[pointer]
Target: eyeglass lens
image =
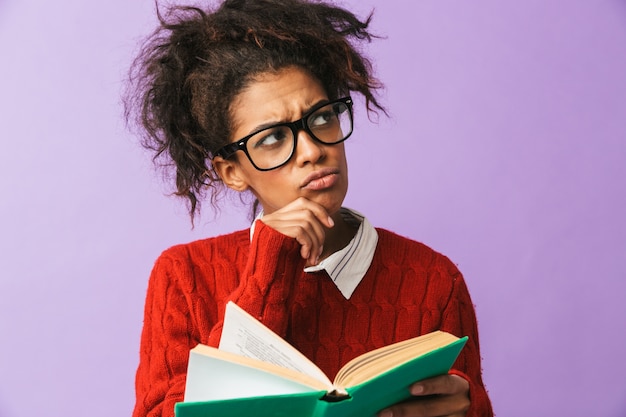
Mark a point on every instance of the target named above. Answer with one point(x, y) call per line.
point(273, 146)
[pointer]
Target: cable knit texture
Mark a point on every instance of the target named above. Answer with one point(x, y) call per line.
point(409, 290)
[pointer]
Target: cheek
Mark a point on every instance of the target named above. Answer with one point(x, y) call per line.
point(274, 186)
point(341, 157)
point(340, 150)
point(277, 179)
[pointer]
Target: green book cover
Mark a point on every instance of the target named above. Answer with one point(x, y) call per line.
point(368, 398)
point(363, 400)
point(291, 405)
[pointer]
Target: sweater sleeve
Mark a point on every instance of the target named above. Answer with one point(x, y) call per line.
point(166, 339)
point(171, 327)
point(459, 318)
point(266, 284)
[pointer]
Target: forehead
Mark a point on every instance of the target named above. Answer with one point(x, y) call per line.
point(274, 97)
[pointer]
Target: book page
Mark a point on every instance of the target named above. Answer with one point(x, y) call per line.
point(378, 361)
point(244, 335)
point(212, 377)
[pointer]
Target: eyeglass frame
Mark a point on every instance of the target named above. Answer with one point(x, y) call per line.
point(296, 127)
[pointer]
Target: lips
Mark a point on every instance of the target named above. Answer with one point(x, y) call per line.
point(321, 179)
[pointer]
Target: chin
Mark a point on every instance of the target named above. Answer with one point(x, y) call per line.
point(332, 206)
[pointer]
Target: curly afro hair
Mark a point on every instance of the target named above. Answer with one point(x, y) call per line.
point(189, 70)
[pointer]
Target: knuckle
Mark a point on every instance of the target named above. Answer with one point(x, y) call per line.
point(301, 233)
point(397, 411)
point(309, 216)
point(430, 407)
point(465, 404)
point(448, 383)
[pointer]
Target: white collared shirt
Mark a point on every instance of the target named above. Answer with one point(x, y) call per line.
point(348, 266)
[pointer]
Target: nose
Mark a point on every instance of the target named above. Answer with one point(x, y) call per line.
point(308, 150)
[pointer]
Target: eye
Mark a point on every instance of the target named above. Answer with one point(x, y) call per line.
point(323, 117)
point(270, 138)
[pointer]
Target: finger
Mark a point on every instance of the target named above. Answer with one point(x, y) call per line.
point(316, 209)
point(443, 384)
point(303, 234)
point(430, 406)
point(303, 226)
point(319, 220)
point(312, 226)
point(314, 234)
point(304, 220)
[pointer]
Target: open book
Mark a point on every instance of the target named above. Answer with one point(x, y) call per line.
point(256, 372)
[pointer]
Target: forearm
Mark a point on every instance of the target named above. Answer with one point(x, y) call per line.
point(266, 284)
point(185, 306)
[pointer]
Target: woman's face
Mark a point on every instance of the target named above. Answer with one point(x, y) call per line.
point(316, 171)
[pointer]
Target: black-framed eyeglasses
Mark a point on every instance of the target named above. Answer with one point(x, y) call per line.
point(272, 147)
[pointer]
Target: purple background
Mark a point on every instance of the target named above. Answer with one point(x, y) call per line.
point(505, 151)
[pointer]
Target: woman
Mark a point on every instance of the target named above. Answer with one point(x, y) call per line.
point(255, 96)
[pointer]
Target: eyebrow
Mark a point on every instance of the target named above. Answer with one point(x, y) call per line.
point(264, 126)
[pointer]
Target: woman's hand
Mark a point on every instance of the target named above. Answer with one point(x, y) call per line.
point(445, 395)
point(304, 221)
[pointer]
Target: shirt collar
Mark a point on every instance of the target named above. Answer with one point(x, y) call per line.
point(348, 266)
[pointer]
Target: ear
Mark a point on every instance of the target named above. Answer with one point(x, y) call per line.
point(230, 172)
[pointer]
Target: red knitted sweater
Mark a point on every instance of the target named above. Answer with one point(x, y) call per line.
point(408, 290)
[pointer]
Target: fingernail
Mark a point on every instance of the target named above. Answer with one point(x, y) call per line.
point(417, 389)
point(320, 251)
point(385, 413)
point(330, 221)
